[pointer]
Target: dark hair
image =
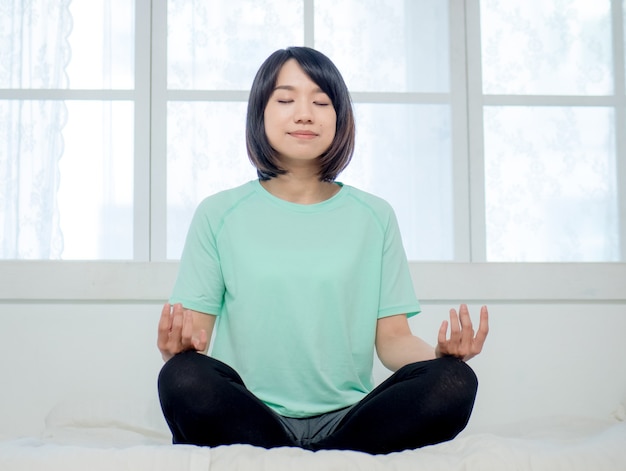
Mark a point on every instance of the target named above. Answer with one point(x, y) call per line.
point(325, 74)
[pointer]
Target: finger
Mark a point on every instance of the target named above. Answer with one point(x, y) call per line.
point(467, 330)
point(455, 328)
point(483, 329)
point(201, 342)
point(442, 348)
point(177, 324)
point(165, 320)
point(187, 329)
point(443, 333)
point(165, 323)
point(464, 317)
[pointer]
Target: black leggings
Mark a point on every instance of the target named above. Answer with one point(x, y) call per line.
point(206, 403)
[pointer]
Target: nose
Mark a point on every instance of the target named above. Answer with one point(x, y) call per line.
point(303, 112)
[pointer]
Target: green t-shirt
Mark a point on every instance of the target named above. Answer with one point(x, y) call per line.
point(297, 290)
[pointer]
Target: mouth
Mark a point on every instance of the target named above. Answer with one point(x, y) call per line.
point(303, 134)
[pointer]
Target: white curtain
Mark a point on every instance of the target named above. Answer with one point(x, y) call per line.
point(34, 52)
point(551, 192)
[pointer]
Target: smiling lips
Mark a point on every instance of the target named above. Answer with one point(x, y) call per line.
point(303, 134)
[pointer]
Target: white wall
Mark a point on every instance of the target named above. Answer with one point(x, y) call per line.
point(546, 354)
point(53, 351)
point(546, 359)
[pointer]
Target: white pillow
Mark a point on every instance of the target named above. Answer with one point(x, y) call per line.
point(137, 414)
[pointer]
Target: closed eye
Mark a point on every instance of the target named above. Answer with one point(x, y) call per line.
point(285, 101)
point(321, 103)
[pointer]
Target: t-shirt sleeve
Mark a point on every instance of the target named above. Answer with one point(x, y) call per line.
point(199, 284)
point(397, 295)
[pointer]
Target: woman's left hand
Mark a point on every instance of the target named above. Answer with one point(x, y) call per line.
point(462, 343)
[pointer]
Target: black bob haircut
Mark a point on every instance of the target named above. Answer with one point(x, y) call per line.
point(325, 74)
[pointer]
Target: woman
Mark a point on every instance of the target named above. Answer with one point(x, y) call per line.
point(305, 278)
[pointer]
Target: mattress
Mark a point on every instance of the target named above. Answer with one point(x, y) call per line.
point(113, 435)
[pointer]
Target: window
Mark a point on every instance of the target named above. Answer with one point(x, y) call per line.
point(553, 96)
point(373, 43)
point(67, 129)
point(492, 127)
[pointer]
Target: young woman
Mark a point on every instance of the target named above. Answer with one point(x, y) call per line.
point(303, 278)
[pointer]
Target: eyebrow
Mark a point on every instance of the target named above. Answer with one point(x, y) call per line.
point(291, 88)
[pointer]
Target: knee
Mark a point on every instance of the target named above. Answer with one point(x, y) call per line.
point(456, 387)
point(189, 372)
point(445, 370)
point(178, 368)
point(182, 375)
point(459, 380)
point(460, 373)
point(449, 378)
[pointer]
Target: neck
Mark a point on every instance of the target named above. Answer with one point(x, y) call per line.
point(301, 189)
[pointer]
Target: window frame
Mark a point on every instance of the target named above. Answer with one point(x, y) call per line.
point(121, 282)
point(456, 98)
point(477, 100)
point(469, 278)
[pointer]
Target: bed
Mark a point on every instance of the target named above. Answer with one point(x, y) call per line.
point(114, 434)
point(65, 403)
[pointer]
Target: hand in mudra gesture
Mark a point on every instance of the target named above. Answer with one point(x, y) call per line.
point(463, 342)
point(176, 332)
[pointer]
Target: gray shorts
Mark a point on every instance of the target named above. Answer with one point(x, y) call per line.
point(312, 429)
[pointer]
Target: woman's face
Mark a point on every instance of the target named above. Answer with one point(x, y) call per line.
point(300, 120)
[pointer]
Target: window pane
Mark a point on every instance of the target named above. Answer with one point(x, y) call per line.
point(546, 47)
point(33, 45)
point(220, 44)
point(550, 184)
point(95, 196)
point(102, 44)
point(66, 180)
point(206, 153)
point(88, 44)
point(391, 46)
point(31, 144)
point(403, 154)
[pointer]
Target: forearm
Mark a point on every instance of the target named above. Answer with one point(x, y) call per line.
point(399, 351)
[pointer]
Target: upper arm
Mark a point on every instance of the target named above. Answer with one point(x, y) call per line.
point(199, 283)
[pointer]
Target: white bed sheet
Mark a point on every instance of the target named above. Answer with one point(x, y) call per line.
point(108, 437)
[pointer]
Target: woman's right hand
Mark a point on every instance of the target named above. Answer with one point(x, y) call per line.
point(177, 333)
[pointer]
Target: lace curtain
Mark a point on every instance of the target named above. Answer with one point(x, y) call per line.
point(34, 52)
point(403, 150)
point(551, 180)
point(551, 192)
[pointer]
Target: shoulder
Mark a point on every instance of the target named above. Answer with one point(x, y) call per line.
point(222, 202)
point(376, 205)
point(213, 210)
